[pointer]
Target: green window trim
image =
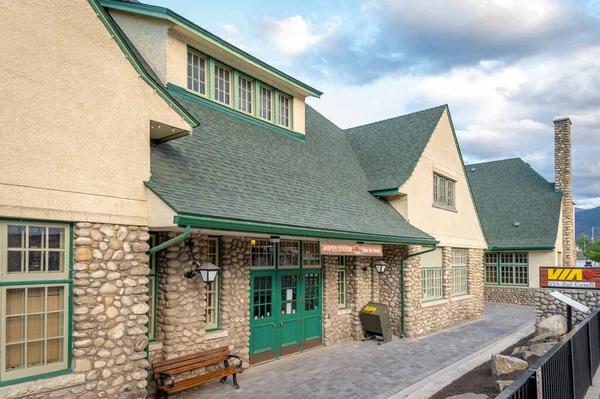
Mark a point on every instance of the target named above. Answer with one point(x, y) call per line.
point(514, 271)
point(444, 192)
point(64, 332)
point(342, 283)
point(432, 283)
point(216, 300)
point(463, 280)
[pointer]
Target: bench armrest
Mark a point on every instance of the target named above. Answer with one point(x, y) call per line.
point(160, 375)
point(239, 366)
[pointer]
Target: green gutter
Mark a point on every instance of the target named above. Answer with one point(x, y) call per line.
point(165, 13)
point(390, 191)
point(108, 23)
point(402, 283)
point(207, 222)
point(499, 249)
point(172, 241)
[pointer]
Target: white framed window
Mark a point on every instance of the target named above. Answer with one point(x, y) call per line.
point(289, 253)
point(459, 271)
point(266, 103)
point(311, 254)
point(491, 268)
point(212, 288)
point(443, 191)
point(431, 281)
point(459, 257)
point(245, 94)
point(34, 306)
point(263, 254)
point(222, 84)
point(196, 73)
point(341, 280)
point(507, 268)
point(285, 103)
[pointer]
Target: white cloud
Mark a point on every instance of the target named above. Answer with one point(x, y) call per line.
point(295, 35)
point(230, 28)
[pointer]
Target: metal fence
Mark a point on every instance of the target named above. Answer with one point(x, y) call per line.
point(565, 371)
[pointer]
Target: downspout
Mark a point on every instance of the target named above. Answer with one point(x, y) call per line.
point(172, 241)
point(402, 281)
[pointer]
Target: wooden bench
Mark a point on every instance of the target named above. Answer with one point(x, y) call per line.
point(169, 368)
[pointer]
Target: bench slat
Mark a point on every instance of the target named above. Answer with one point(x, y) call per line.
point(189, 365)
point(199, 380)
point(224, 350)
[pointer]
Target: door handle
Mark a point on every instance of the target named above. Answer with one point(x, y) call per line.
point(302, 300)
point(273, 326)
point(281, 325)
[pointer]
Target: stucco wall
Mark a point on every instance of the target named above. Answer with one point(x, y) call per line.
point(459, 229)
point(76, 118)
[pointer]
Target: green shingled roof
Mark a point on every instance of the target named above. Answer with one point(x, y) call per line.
point(389, 150)
point(236, 170)
point(508, 192)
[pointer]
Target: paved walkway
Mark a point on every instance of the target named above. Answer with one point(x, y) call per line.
point(367, 370)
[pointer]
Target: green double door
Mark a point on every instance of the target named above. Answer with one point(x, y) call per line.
point(285, 312)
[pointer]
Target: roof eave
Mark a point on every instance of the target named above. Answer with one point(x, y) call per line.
point(207, 222)
point(165, 13)
point(501, 249)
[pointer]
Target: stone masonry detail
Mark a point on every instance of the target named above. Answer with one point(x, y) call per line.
point(548, 306)
point(514, 295)
point(110, 306)
point(563, 179)
point(336, 322)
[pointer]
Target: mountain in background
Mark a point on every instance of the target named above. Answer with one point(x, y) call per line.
point(579, 209)
point(585, 219)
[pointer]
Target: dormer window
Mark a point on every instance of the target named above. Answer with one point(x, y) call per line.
point(222, 85)
point(266, 103)
point(196, 73)
point(245, 94)
point(284, 110)
point(443, 192)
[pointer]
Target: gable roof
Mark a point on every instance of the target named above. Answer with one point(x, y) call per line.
point(389, 150)
point(235, 170)
point(169, 15)
point(138, 62)
point(510, 191)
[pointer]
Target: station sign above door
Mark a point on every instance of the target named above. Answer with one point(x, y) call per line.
point(331, 248)
point(570, 277)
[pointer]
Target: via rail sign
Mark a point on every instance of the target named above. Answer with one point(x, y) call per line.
point(570, 277)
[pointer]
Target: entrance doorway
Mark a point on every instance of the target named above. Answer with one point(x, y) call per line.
point(285, 311)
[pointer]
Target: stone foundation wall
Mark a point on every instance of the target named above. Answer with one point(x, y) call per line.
point(110, 306)
point(359, 290)
point(390, 284)
point(548, 306)
point(514, 295)
point(336, 322)
point(423, 318)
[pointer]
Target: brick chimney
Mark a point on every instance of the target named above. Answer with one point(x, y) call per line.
point(563, 181)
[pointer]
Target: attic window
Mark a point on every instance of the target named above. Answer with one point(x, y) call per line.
point(443, 192)
point(196, 73)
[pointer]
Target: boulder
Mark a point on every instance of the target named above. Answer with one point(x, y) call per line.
point(501, 385)
point(519, 349)
point(507, 364)
point(540, 339)
point(541, 349)
point(468, 396)
point(556, 325)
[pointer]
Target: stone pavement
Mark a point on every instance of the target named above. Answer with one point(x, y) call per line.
point(367, 370)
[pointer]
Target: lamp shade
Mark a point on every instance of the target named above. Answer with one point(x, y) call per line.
point(208, 272)
point(380, 266)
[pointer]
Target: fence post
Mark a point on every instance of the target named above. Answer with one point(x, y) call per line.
point(590, 355)
point(572, 366)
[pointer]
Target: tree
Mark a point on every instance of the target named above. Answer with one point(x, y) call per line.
point(589, 247)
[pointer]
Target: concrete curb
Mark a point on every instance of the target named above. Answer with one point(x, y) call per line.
point(427, 387)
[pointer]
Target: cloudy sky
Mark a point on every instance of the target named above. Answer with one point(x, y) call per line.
point(506, 68)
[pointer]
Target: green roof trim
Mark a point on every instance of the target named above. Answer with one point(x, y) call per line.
point(138, 64)
point(183, 93)
point(510, 191)
point(268, 228)
point(496, 249)
point(401, 139)
point(165, 13)
point(379, 193)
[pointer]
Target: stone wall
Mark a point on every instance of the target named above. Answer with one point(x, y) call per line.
point(423, 318)
point(548, 306)
point(563, 179)
point(336, 322)
point(110, 309)
point(513, 295)
point(359, 290)
point(390, 284)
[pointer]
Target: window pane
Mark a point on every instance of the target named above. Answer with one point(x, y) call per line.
point(311, 254)
point(55, 261)
point(222, 85)
point(15, 329)
point(196, 71)
point(55, 298)
point(14, 356)
point(263, 253)
point(36, 261)
point(16, 236)
point(289, 253)
point(54, 324)
point(54, 350)
point(34, 353)
point(37, 237)
point(16, 261)
point(15, 301)
point(56, 237)
point(35, 300)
